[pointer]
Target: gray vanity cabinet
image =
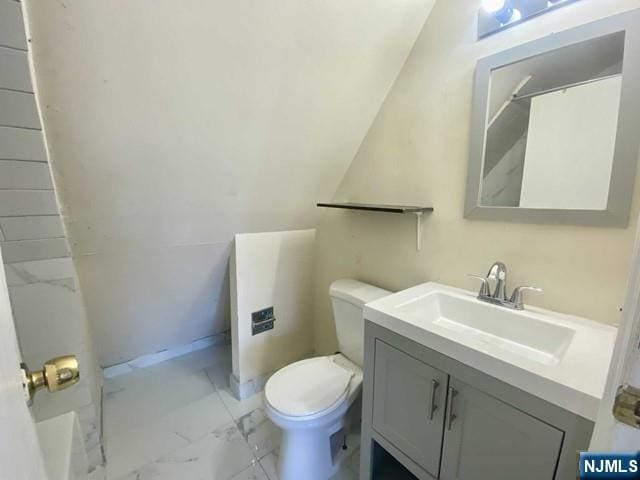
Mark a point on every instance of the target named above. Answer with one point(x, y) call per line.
point(491, 439)
point(435, 418)
point(408, 406)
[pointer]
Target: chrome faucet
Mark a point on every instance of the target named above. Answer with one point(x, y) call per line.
point(498, 274)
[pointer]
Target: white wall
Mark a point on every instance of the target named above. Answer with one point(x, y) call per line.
point(174, 125)
point(570, 147)
point(416, 153)
point(275, 269)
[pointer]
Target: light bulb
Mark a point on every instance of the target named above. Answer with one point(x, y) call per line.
point(493, 6)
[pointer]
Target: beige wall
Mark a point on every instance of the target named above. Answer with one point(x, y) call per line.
point(272, 269)
point(416, 152)
point(174, 125)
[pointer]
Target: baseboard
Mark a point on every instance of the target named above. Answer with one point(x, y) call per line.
point(255, 385)
point(249, 388)
point(223, 338)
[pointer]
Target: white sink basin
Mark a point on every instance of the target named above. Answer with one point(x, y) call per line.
point(560, 358)
point(518, 332)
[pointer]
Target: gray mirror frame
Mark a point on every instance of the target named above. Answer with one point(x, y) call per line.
point(627, 145)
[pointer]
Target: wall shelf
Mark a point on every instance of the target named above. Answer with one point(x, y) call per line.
point(401, 209)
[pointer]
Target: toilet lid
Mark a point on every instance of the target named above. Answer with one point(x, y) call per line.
point(307, 387)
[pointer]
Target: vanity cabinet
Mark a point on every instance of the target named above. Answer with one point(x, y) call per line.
point(489, 436)
point(441, 419)
point(408, 405)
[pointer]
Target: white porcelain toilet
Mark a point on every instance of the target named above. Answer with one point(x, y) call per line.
point(309, 399)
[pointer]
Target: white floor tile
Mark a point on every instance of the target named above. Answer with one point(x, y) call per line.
point(218, 456)
point(345, 474)
point(141, 397)
point(136, 447)
point(269, 463)
point(219, 375)
point(254, 472)
point(239, 408)
point(98, 474)
point(353, 462)
point(262, 436)
point(197, 419)
point(178, 420)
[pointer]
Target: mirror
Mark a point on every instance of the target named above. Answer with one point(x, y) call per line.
point(550, 123)
point(551, 129)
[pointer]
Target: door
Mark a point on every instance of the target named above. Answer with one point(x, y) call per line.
point(20, 455)
point(486, 439)
point(408, 405)
point(611, 435)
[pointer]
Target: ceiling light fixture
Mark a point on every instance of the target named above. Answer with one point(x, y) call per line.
point(493, 6)
point(502, 10)
point(497, 15)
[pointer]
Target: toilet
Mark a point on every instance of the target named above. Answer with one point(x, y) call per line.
point(310, 400)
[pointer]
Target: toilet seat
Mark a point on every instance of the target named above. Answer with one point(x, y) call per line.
point(308, 387)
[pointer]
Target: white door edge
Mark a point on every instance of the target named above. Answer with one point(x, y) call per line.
point(610, 435)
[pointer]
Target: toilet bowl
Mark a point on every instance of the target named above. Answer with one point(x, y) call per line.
point(310, 400)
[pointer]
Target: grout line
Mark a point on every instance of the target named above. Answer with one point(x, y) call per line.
point(21, 128)
point(34, 239)
point(30, 239)
point(104, 457)
point(27, 189)
point(17, 49)
point(16, 90)
point(264, 470)
point(36, 260)
point(13, 189)
point(29, 216)
point(22, 160)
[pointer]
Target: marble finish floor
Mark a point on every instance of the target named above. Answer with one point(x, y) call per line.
point(179, 420)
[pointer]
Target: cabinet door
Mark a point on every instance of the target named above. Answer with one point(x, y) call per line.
point(487, 439)
point(409, 405)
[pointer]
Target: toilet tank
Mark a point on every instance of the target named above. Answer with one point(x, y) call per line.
point(348, 298)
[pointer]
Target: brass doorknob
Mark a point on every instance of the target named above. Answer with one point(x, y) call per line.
point(56, 374)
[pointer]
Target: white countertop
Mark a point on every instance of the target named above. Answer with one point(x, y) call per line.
point(576, 382)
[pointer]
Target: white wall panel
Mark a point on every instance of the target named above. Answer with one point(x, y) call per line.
point(11, 25)
point(14, 70)
point(18, 109)
point(26, 250)
point(25, 175)
point(27, 202)
point(22, 144)
point(31, 228)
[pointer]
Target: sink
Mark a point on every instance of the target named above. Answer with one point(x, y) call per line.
point(560, 358)
point(516, 331)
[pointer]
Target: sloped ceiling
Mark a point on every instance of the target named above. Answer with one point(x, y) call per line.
point(173, 125)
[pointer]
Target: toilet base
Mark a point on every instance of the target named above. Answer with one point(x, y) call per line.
point(307, 453)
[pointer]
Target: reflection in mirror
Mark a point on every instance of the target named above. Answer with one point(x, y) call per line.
point(551, 128)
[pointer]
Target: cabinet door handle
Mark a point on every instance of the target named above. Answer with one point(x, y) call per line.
point(451, 417)
point(433, 407)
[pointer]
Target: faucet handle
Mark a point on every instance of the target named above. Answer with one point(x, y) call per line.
point(485, 289)
point(517, 295)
